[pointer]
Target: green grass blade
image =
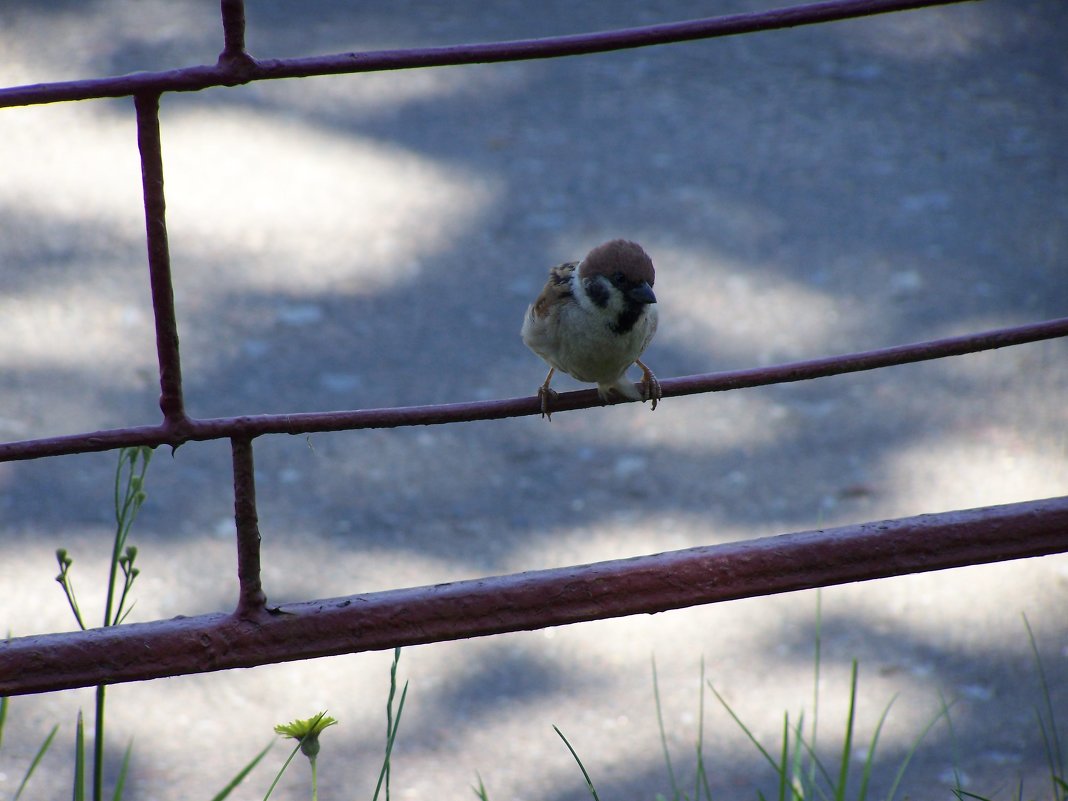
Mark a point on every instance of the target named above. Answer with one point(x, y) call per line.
point(1050, 738)
point(743, 727)
point(943, 713)
point(798, 774)
point(241, 774)
point(282, 770)
point(663, 735)
point(816, 672)
point(869, 760)
point(585, 775)
point(701, 778)
point(847, 746)
point(953, 744)
point(36, 760)
point(3, 703)
point(809, 786)
point(79, 759)
point(815, 764)
point(480, 791)
point(785, 758)
point(120, 783)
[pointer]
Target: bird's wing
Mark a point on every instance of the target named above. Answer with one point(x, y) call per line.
point(556, 289)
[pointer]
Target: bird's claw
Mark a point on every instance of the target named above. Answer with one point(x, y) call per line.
point(545, 395)
point(650, 386)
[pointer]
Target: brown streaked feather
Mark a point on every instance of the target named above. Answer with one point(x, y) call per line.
point(556, 288)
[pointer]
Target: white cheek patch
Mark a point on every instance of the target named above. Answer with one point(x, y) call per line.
point(614, 300)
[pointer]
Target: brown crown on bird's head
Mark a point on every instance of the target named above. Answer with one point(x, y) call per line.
point(619, 256)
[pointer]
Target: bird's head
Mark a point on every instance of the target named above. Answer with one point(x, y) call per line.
point(618, 273)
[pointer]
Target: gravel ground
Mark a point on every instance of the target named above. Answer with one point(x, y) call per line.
point(373, 240)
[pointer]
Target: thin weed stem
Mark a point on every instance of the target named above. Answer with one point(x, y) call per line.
point(1051, 740)
point(663, 733)
point(585, 774)
point(392, 724)
point(701, 778)
point(282, 770)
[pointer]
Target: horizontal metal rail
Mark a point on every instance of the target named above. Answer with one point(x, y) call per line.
point(176, 431)
point(526, 601)
point(236, 67)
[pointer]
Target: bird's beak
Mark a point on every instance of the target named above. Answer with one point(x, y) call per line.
point(643, 293)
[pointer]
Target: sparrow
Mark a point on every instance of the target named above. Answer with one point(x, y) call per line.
point(593, 320)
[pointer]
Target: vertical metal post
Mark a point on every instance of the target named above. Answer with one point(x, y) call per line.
point(171, 402)
point(233, 19)
point(251, 598)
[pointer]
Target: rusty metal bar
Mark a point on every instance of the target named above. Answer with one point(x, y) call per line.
point(159, 263)
point(251, 599)
point(232, 70)
point(534, 600)
point(233, 20)
point(310, 422)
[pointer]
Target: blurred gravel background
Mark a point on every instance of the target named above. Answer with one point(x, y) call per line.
point(366, 241)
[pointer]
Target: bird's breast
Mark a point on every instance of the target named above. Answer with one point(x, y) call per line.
point(590, 349)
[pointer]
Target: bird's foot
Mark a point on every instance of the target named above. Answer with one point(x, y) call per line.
point(650, 387)
point(546, 395)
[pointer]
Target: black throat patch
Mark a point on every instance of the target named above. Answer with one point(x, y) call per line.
point(627, 318)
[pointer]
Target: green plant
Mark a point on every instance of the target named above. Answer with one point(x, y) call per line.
point(392, 724)
point(480, 791)
point(129, 496)
point(306, 733)
point(701, 784)
point(798, 768)
point(801, 772)
point(1047, 726)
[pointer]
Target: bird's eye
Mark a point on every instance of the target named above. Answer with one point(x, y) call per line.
point(617, 277)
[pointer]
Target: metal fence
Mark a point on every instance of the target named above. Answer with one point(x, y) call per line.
point(257, 634)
